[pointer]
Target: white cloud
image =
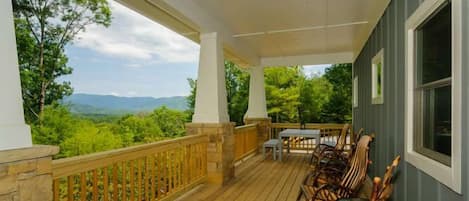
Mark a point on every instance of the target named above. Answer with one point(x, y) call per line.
point(114, 93)
point(135, 37)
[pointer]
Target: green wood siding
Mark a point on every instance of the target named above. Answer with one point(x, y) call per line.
point(387, 120)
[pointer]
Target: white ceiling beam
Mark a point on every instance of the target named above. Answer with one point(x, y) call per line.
point(310, 59)
point(310, 28)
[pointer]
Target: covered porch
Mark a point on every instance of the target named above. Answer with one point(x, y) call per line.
point(255, 35)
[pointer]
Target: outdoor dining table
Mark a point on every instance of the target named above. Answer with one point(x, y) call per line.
point(305, 133)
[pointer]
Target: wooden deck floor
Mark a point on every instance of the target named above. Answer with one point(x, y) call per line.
point(259, 180)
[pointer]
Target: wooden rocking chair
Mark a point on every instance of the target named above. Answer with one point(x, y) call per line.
point(323, 185)
point(323, 149)
point(382, 188)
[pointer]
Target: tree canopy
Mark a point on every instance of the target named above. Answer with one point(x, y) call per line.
point(43, 29)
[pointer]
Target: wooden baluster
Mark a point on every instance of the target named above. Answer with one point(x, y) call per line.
point(132, 180)
point(139, 180)
point(159, 175)
point(153, 183)
point(146, 177)
point(56, 189)
point(171, 171)
point(115, 189)
point(106, 184)
point(83, 186)
point(70, 187)
point(95, 185)
point(124, 181)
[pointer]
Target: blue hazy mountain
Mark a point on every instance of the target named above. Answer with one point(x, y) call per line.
point(109, 104)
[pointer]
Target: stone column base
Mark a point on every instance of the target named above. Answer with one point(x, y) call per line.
point(26, 173)
point(220, 149)
point(263, 130)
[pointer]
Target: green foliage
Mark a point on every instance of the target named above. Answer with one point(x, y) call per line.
point(315, 92)
point(43, 29)
point(339, 108)
point(283, 92)
point(90, 138)
point(78, 135)
point(237, 89)
point(171, 122)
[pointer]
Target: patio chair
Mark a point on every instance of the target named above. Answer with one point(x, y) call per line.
point(322, 185)
point(327, 149)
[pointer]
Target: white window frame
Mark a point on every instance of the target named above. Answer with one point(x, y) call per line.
point(355, 92)
point(375, 97)
point(449, 176)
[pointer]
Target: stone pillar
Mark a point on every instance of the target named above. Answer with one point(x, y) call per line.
point(14, 133)
point(257, 107)
point(26, 173)
point(210, 99)
point(220, 149)
point(264, 126)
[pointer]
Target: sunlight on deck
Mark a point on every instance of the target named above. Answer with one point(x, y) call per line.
point(258, 179)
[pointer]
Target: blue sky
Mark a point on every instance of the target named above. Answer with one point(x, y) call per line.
point(135, 57)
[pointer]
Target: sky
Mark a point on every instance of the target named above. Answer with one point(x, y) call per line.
point(135, 57)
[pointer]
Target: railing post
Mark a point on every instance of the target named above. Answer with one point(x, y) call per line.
point(26, 173)
point(220, 149)
point(264, 126)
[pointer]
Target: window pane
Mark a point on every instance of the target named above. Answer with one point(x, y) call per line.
point(437, 119)
point(434, 47)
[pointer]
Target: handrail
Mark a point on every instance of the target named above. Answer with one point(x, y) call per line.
point(245, 140)
point(151, 171)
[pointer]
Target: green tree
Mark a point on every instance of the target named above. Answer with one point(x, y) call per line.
point(171, 122)
point(58, 125)
point(43, 29)
point(137, 129)
point(282, 93)
point(89, 138)
point(339, 107)
point(237, 92)
point(315, 92)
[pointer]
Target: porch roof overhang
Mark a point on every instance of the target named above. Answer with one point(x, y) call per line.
point(272, 32)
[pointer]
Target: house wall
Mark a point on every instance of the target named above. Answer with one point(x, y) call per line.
point(387, 120)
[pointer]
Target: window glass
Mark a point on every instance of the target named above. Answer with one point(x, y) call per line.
point(437, 120)
point(433, 87)
point(434, 38)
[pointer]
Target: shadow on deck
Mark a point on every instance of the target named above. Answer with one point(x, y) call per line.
point(259, 180)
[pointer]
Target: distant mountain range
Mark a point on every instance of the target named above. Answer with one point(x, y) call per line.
point(108, 104)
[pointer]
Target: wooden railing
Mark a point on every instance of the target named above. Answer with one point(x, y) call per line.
point(329, 133)
point(155, 171)
point(245, 140)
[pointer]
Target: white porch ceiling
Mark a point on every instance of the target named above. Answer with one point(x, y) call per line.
point(273, 32)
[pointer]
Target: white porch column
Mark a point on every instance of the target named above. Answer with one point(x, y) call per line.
point(210, 100)
point(257, 107)
point(14, 133)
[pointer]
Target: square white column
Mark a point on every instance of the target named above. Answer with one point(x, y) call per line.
point(210, 100)
point(257, 107)
point(14, 133)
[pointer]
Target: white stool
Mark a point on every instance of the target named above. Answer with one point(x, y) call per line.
point(275, 144)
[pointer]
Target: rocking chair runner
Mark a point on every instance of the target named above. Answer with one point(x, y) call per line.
point(320, 186)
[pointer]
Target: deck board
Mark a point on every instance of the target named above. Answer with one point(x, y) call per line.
point(258, 180)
